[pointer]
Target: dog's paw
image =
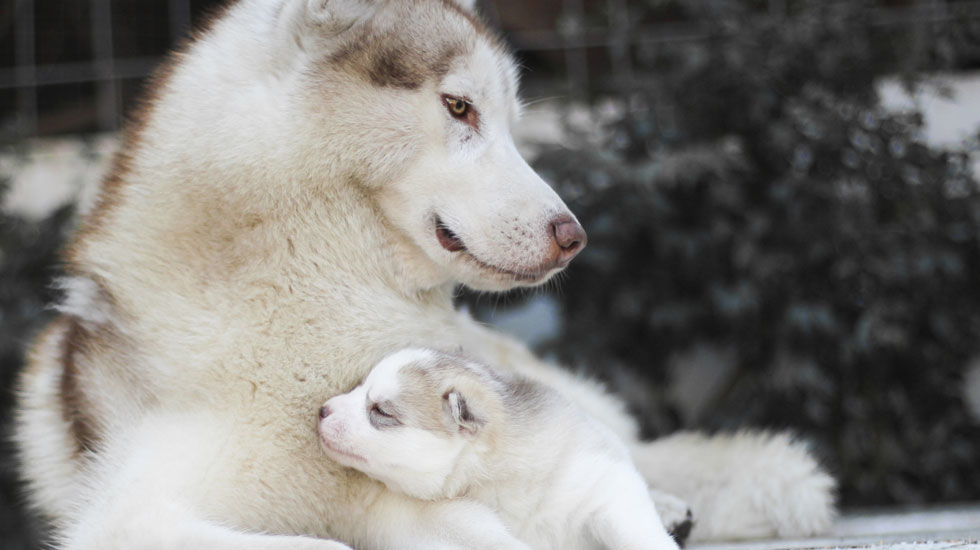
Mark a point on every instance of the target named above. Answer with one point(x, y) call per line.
point(675, 514)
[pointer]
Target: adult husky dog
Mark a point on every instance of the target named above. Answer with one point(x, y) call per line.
point(297, 199)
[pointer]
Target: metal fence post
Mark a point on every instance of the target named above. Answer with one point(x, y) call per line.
point(108, 106)
point(26, 119)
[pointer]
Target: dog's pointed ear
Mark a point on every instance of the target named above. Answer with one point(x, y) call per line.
point(466, 5)
point(303, 23)
point(460, 414)
point(338, 15)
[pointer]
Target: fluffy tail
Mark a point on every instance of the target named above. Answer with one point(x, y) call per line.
point(744, 485)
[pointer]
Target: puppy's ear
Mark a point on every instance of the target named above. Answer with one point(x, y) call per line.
point(459, 412)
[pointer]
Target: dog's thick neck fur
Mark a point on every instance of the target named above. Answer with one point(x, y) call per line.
point(249, 218)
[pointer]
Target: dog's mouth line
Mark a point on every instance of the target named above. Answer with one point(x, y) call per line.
point(447, 239)
point(331, 447)
point(451, 242)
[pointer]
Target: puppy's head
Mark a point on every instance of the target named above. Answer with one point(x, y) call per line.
point(417, 423)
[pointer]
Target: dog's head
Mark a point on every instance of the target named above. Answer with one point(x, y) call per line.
point(420, 423)
point(415, 100)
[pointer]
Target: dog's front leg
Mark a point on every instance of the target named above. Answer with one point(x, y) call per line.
point(148, 489)
point(403, 523)
point(163, 524)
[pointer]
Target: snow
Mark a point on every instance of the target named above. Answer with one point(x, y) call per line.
point(46, 174)
point(950, 105)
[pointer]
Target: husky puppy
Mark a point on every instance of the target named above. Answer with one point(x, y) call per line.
point(305, 185)
point(437, 426)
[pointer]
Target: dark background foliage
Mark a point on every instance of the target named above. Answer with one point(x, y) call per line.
point(755, 196)
point(28, 253)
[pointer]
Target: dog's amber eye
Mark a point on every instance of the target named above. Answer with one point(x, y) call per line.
point(457, 107)
point(462, 110)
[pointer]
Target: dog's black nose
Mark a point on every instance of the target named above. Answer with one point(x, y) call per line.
point(324, 412)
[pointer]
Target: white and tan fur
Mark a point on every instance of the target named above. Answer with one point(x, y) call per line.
point(439, 426)
point(291, 205)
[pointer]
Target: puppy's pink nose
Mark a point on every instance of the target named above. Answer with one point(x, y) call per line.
point(324, 412)
point(570, 238)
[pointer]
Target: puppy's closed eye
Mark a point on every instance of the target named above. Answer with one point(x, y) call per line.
point(382, 416)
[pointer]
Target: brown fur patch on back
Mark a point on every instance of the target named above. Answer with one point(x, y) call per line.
point(73, 400)
point(524, 397)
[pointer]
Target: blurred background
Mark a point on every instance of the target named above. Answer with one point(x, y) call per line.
point(781, 197)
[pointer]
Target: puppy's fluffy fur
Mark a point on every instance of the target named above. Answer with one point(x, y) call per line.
point(438, 426)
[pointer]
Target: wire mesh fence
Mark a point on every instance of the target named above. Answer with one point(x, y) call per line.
point(85, 84)
point(74, 67)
